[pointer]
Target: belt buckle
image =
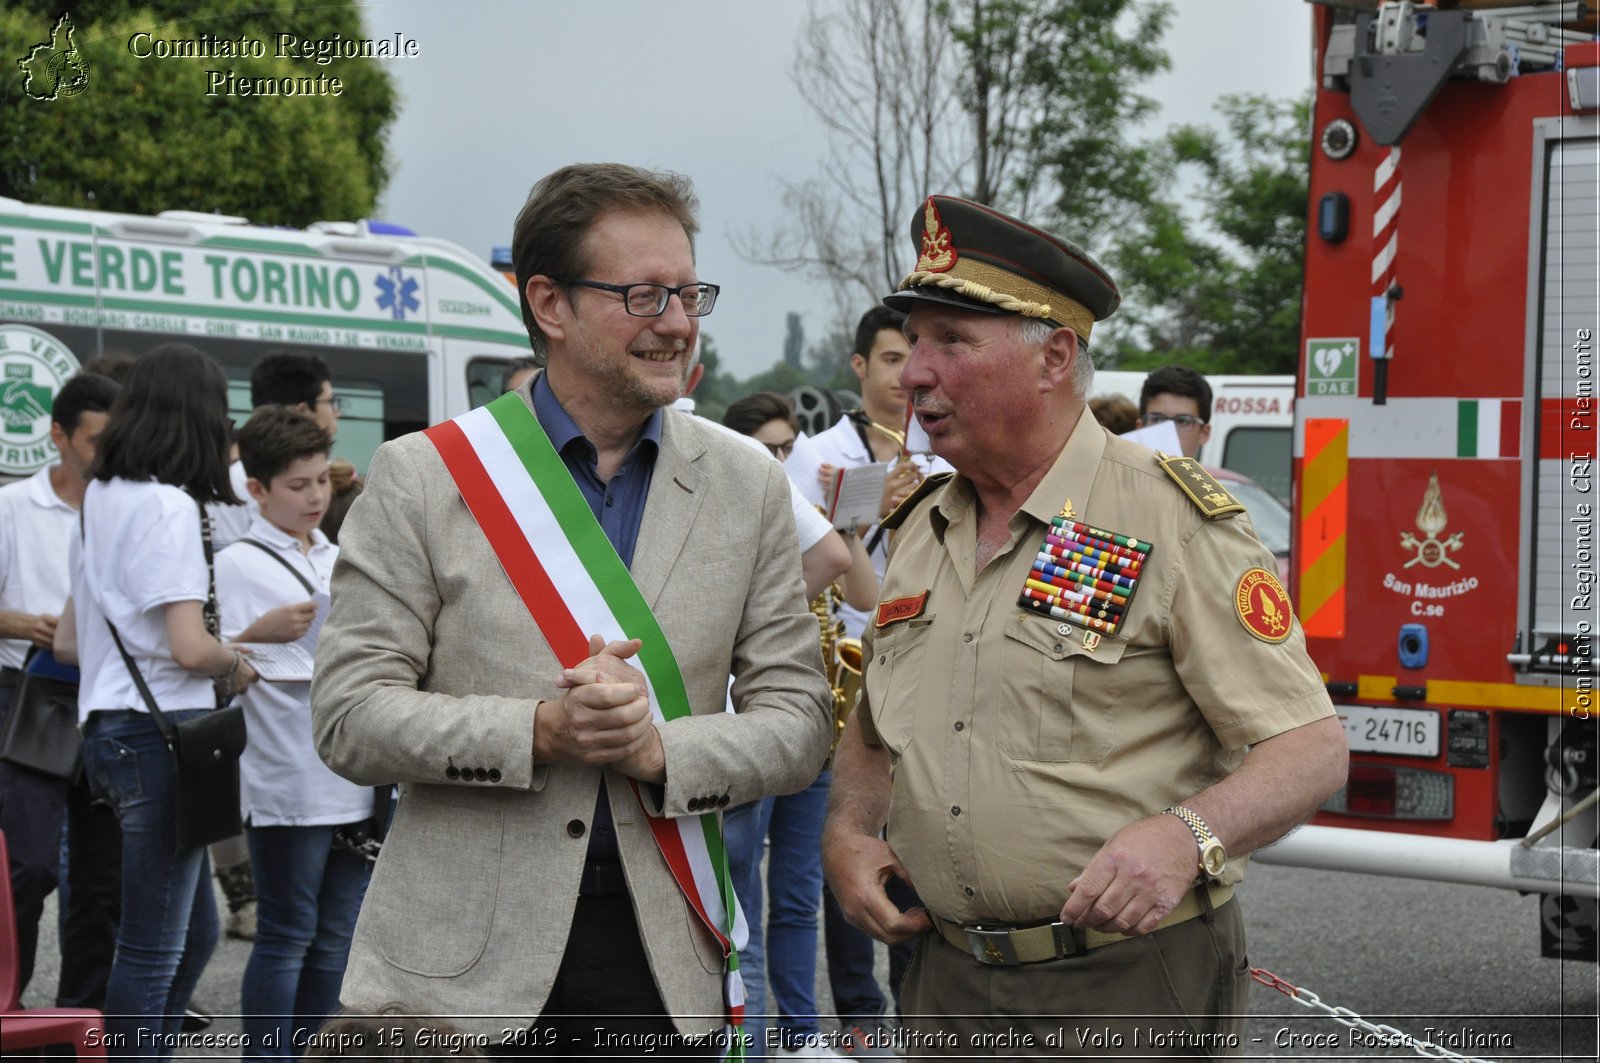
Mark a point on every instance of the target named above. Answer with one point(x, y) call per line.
point(992, 947)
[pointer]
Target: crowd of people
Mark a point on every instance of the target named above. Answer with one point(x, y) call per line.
point(576, 631)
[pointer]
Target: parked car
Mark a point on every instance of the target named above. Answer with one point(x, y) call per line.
point(1269, 515)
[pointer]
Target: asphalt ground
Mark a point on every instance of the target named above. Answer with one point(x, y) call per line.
point(1413, 955)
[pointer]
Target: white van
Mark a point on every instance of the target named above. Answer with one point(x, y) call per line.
point(415, 329)
point(1252, 423)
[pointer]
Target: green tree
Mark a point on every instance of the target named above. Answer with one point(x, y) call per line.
point(1021, 104)
point(145, 136)
point(1222, 296)
point(717, 387)
point(828, 361)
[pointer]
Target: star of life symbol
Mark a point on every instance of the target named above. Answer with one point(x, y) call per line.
point(1431, 520)
point(397, 293)
point(55, 68)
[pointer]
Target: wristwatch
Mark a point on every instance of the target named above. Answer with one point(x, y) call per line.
point(1213, 857)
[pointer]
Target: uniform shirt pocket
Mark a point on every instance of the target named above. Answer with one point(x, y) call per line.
point(896, 650)
point(1058, 696)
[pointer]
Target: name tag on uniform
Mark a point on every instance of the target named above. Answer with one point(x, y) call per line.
point(1085, 575)
point(895, 610)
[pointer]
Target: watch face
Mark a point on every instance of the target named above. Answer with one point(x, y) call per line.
point(1213, 858)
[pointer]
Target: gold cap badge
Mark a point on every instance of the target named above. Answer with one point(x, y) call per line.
point(937, 254)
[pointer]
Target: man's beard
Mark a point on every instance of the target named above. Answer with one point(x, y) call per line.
point(620, 383)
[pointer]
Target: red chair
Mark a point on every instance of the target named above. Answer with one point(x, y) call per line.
point(36, 1027)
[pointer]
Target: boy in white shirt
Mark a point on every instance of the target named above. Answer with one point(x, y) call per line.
point(272, 586)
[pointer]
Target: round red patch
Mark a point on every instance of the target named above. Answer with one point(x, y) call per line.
point(1263, 606)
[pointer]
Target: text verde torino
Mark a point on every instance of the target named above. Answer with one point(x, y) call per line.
point(321, 51)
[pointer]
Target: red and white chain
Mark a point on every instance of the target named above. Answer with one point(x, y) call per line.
point(1381, 1033)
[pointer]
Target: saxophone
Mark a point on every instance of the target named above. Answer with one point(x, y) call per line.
point(841, 659)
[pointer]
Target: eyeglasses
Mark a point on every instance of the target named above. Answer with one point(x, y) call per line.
point(1184, 422)
point(335, 401)
point(649, 300)
point(780, 450)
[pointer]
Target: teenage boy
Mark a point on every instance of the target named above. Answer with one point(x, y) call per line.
point(37, 517)
point(1178, 394)
point(294, 379)
point(308, 888)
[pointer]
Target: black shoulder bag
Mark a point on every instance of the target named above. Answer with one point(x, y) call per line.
point(205, 749)
point(365, 839)
point(42, 733)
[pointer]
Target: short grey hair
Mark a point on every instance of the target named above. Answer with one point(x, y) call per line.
point(1036, 332)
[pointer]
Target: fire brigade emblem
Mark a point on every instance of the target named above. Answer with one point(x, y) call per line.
point(937, 254)
point(1263, 606)
point(1431, 520)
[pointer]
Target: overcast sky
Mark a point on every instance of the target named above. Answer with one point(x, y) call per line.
point(501, 94)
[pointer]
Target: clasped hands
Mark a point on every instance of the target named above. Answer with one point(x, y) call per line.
point(602, 717)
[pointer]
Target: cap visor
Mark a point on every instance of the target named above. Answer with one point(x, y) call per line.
point(907, 300)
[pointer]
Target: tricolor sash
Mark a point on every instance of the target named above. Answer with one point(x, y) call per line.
point(569, 576)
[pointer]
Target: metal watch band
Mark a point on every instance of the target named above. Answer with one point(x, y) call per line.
point(1192, 820)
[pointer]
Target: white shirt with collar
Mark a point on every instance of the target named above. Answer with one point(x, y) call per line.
point(231, 523)
point(282, 781)
point(140, 552)
point(35, 527)
point(842, 446)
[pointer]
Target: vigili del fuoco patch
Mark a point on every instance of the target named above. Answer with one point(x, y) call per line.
point(1263, 606)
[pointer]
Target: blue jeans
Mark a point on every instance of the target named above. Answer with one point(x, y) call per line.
point(794, 893)
point(743, 830)
point(169, 918)
point(307, 898)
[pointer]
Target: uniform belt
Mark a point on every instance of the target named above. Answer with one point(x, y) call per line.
point(1009, 946)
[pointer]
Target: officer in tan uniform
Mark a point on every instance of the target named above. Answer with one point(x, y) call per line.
point(1085, 696)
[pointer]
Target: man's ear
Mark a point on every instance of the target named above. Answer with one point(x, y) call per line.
point(257, 489)
point(549, 305)
point(1061, 352)
point(695, 376)
point(859, 364)
point(59, 436)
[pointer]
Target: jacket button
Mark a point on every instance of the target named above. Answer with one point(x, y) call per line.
point(481, 774)
point(575, 829)
point(494, 774)
point(452, 772)
point(694, 804)
point(722, 802)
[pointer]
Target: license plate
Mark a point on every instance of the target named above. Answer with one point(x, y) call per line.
point(1408, 732)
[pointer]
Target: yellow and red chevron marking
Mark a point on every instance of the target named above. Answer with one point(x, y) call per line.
point(1324, 522)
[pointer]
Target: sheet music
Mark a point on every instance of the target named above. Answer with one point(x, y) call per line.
point(280, 662)
point(855, 495)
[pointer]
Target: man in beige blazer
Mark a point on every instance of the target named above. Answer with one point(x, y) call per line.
point(520, 881)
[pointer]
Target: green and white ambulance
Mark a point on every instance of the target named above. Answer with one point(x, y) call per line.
point(415, 329)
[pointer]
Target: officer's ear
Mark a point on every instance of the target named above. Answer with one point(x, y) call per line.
point(1060, 352)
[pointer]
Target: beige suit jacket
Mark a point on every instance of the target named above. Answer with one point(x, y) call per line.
point(428, 671)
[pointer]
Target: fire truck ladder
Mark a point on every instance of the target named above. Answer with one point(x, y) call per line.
point(1395, 59)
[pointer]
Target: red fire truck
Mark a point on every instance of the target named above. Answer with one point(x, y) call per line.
point(1445, 433)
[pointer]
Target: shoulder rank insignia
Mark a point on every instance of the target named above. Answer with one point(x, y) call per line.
point(898, 515)
point(1084, 575)
point(1201, 487)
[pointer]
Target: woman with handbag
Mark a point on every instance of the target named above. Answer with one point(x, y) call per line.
point(142, 622)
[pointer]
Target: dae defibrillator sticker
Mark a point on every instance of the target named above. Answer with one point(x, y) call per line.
point(1263, 605)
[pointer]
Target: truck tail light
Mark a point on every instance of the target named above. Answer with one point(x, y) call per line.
point(1394, 793)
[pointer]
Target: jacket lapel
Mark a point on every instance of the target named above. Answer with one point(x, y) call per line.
point(676, 492)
